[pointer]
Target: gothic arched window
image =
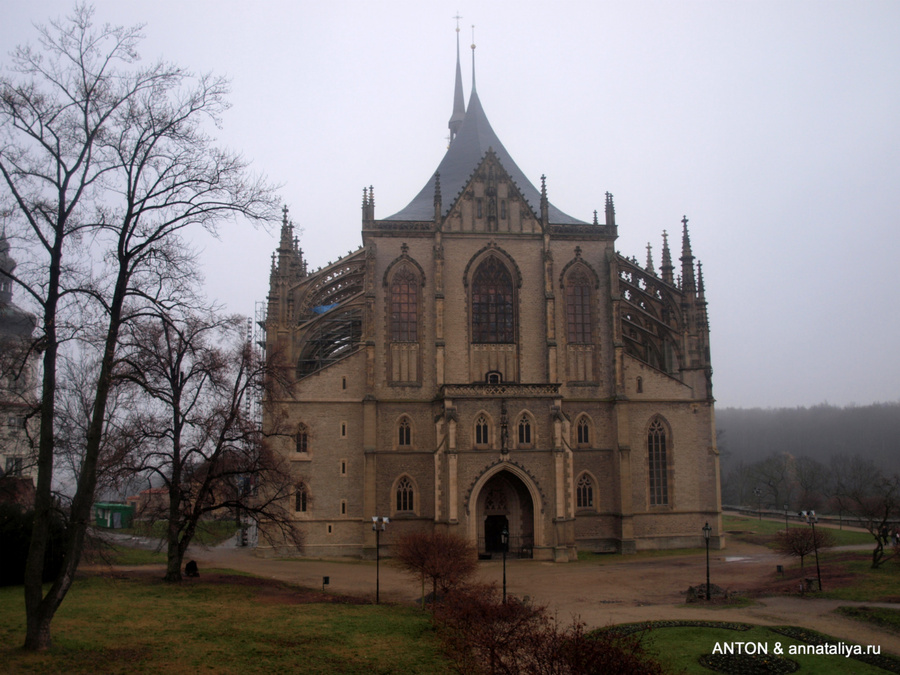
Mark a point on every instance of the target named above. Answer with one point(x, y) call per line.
point(578, 308)
point(404, 306)
point(302, 438)
point(493, 304)
point(404, 433)
point(584, 492)
point(405, 495)
point(302, 498)
point(524, 431)
point(482, 431)
point(659, 480)
point(584, 431)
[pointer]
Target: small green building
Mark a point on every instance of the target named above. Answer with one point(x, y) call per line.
point(112, 515)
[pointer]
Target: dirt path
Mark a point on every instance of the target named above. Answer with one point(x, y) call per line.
point(611, 591)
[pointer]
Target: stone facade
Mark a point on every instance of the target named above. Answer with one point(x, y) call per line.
point(493, 365)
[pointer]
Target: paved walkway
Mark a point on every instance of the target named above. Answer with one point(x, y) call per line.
point(613, 590)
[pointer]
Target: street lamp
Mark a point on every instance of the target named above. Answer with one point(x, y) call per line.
point(706, 530)
point(785, 518)
point(812, 519)
point(758, 494)
point(504, 541)
point(378, 523)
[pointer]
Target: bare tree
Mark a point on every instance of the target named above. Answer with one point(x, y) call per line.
point(446, 559)
point(775, 476)
point(861, 490)
point(200, 381)
point(103, 163)
point(812, 479)
point(799, 542)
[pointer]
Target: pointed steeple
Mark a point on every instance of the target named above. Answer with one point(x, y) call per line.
point(437, 197)
point(287, 232)
point(667, 268)
point(290, 255)
point(473, 60)
point(610, 211)
point(468, 149)
point(687, 260)
point(701, 289)
point(649, 266)
point(459, 103)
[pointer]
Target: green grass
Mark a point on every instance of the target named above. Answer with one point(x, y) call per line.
point(680, 648)
point(768, 528)
point(867, 585)
point(128, 625)
point(209, 532)
point(123, 555)
point(882, 617)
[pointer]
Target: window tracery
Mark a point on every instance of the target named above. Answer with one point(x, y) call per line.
point(404, 306)
point(482, 431)
point(493, 303)
point(584, 492)
point(404, 433)
point(658, 464)
point(405, 495)
point(578, 308)
point(301, 498)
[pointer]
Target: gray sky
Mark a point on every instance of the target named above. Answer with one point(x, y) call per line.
point(774, 126)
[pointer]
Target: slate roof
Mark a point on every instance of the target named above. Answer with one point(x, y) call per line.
point(475, 138)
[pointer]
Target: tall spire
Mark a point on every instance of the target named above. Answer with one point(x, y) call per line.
point(473, 59)
point(667, 268)
point(687, 260)
point(459, 103)
point(649, 266)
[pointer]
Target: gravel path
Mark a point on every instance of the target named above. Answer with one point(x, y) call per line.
point(614, 590)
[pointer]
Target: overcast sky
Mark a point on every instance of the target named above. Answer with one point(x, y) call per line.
point(774, 126)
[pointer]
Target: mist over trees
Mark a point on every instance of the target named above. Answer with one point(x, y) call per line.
point(837, 461)
point(820, 432)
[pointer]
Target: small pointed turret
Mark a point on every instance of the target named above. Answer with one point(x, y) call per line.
point(667, 269)
point(649, 266)
point(437, 197)
point(545, 205)
point(610, 211)
point(687, 260)
point(459, 103)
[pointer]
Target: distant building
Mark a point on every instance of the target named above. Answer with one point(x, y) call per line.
point(18, 386)
point(486, 363)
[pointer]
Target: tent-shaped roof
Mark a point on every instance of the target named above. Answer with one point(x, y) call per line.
point(466, 151)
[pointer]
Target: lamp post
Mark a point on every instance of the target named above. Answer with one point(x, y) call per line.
point(758, 494)
point(504, 541)
point(706, 530)
point(378, 524)
point(812, 519)
point(785, 518)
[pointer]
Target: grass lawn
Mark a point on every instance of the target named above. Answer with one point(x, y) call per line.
point(209, 532)
point(773, 527)
point(114, 625)
point(682, 647)
point(883, 617)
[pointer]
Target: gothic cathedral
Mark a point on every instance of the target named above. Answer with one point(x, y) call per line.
point(488, 365)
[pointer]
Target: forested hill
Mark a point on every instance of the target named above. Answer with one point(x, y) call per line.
point(822, 431)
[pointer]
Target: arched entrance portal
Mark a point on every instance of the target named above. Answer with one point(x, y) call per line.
point(505, 502)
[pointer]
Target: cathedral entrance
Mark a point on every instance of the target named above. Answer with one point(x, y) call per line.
point(505, 503)
point(493, 533)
